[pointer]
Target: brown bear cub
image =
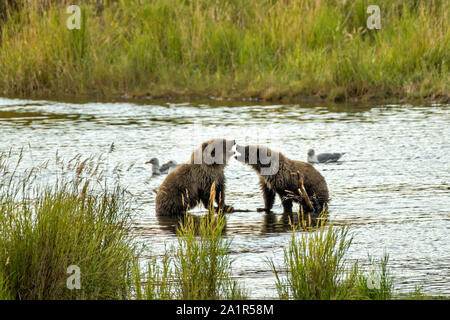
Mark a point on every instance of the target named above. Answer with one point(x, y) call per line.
point(190, 184)
point(291, 180)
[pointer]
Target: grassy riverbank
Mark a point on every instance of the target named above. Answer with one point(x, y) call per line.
point(272, 50)
point(63, 240)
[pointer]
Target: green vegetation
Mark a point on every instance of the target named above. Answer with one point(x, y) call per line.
point(44, 230)
point(47, 227)
point(203, 266)
point(198, 268)
point(265, 49)
point(316, 267)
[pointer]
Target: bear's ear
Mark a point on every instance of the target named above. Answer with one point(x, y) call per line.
point(209, 144)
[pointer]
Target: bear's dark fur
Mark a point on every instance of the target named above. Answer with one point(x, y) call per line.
point(281, 175)
point(190, 184)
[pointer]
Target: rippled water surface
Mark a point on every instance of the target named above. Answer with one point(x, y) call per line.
point(392, 188)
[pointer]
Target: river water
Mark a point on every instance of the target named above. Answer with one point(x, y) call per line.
point(392, 188)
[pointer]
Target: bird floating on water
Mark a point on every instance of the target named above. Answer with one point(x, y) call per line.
point(169, 166)
point(323, 157)
point(156, 169)
point(165, 168)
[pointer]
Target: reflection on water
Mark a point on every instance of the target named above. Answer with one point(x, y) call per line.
point(391, 188)
point(271, 223)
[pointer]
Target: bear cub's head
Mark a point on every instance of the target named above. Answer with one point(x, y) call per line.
point(214, 152)
point(261, 158)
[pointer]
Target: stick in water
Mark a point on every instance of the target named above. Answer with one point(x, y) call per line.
point(304, 194)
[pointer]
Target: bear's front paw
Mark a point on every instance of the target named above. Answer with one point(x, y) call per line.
point(224, 209)
point(228, 209)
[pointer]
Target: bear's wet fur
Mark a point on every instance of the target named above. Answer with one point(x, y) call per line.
point(282, 176)
point(190, 184)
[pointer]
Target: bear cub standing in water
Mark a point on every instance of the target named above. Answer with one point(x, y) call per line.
point(190, 184)
point(291, 180)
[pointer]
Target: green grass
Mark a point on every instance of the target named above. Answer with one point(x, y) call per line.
point(46, 229)
point(156, 281)
point(203, 265)
point(197, 268)
point(316, 267)
point(377, 283)
point(266, 49)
